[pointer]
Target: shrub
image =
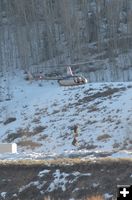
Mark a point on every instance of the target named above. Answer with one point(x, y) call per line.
point(103, 137)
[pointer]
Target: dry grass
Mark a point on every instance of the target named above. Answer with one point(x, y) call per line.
point(9, 120)
point(96, 197)
point(64, 109)
point(36, 120)
point(88, 146)
point(109, 119)
point(29, 144)
point(20, 133)
point(103, 137)
point(24, 132)
point(38, 129)
point(63, 162)
point(47, 198)
point(93, 108)
point(116, 145)
point(108, 92)
point(11, 137)
point(55, 112)
point(42, 137)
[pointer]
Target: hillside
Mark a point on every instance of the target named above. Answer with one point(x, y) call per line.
point(45, 114)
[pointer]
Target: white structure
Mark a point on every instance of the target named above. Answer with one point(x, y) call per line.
point(69, 71)
point(72, 80)
point(8, 148)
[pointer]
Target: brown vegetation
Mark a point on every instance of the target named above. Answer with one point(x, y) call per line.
point(103, 137)
point(24, 132)
point(28, 144)
point(96, 197)
point(9, 120)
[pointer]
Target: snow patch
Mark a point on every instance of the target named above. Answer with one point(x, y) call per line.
point(59, 181)
point(42, 173)
point(108, 196)
point(3, 195)
point(35, 183)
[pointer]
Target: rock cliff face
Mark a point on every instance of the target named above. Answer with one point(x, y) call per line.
point(40, 34)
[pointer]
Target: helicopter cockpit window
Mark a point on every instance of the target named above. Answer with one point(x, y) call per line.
point(75, 79)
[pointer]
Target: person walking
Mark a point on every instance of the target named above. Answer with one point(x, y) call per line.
point(75, 135)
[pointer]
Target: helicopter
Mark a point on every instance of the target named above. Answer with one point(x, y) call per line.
point(72, 80)
point(67, 80)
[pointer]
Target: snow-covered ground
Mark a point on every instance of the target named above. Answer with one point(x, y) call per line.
point(45, 114)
